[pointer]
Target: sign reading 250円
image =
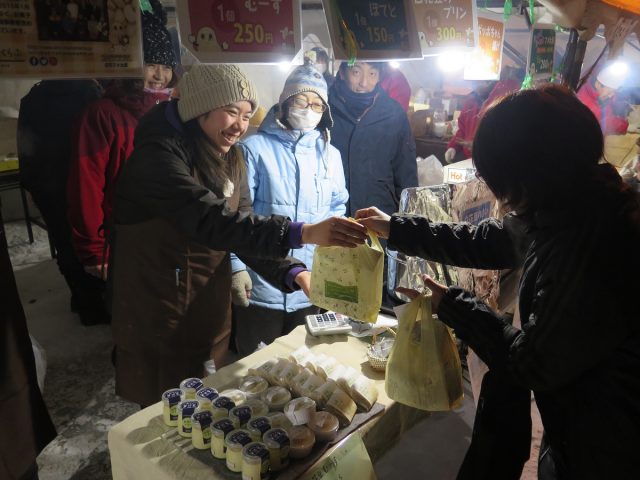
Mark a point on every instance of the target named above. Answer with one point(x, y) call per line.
point(247, 31)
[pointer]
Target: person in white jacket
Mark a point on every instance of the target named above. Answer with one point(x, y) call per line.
point(292, 170)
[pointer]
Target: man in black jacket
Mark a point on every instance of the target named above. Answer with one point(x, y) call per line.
point(45, 122)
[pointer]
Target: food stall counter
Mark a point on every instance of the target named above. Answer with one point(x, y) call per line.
point(142, 447)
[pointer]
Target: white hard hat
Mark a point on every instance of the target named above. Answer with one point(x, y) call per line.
point(613, 75)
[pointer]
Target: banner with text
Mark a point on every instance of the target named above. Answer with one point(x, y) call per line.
point(70, 39)
point(486, 61)
point(446, 25)
point(372, 30)
point(541, 52)
point(251, 31)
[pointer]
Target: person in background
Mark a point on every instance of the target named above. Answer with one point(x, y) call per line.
point(26, 425)
point(468, 121)
point(579, 346)
point(321, 62)
point(104, 141)
point(373, 135)
point(292, 170)
point(396, 85)
point(182, 204)
point(47, 114)
point(599, 94)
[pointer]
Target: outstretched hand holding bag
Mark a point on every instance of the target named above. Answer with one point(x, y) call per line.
point(349, 280)
point(424, 369)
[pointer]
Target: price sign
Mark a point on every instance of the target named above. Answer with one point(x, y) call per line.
point(372, 30)
point(486, 61)
point(446, 24)
point(70, 40)
point(349, 459)
point(541, 51)
point(247, 31)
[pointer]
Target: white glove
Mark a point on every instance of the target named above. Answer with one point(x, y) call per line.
point(241, 288)
point(449, 155)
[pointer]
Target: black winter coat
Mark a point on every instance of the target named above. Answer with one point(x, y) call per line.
point(579, 347)
point(47, 115)
point(378, 152)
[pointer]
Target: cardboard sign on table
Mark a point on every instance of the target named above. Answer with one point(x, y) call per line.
point(251, 31)
point(38, 40)
point(446, 25)
point(380, 30)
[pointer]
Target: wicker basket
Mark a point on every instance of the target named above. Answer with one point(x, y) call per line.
point(377, 363)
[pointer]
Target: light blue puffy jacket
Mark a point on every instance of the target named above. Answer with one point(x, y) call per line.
point(296, 174)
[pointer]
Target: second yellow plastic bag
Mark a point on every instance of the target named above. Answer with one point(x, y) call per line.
point(424, 369)
point(349, 280)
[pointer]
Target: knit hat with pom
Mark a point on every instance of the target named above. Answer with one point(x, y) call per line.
point(208, 87)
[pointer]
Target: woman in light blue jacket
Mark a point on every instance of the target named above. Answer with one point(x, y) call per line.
point(292, 170)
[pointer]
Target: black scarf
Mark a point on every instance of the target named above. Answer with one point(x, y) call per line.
point(356, 103)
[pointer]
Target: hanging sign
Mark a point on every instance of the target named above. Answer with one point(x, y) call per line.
point(541, 51)
point(248, 31)
point(71, 39)
point(446, 25)
point(372, 30)
point(485, 62)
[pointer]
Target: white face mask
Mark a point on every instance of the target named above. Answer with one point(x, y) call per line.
point(303, 119)
point(321, 67)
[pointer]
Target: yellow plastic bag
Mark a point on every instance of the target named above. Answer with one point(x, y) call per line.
point(349, 280)
point(424, 369)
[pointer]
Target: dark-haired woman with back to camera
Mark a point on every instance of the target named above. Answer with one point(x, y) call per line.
point(573, 225)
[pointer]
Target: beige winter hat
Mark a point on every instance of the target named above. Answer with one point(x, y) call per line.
point(207, 87)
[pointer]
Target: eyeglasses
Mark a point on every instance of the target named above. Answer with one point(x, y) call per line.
point(299, 102)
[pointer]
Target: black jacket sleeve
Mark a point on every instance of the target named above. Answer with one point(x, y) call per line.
point(157, 182)
point(574, 318)
point(491, 245)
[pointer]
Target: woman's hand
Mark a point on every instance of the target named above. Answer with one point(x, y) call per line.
point(374, 219)
point(303, 279)
point(334, 232)
point(437, 292)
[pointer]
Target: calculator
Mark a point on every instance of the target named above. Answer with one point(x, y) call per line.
point(328, 323)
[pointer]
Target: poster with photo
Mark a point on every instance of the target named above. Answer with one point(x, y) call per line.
point(70, 38)
point(250, 31)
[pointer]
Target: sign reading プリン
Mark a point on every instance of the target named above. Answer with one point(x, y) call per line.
point(229, 31)
point(446, 24)
point(372, 30)
point(70, 38)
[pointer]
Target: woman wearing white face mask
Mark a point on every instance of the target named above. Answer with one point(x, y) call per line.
point(292, 170)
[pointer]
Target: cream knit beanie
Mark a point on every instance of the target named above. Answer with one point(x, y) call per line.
point(207, 87)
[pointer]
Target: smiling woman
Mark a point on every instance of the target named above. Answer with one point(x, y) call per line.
point(182, 204)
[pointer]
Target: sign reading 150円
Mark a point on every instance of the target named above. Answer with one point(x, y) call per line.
point(372, 30)
point(446, 24)
point(248, 31)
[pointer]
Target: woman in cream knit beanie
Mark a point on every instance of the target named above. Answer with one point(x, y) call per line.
point(208, 87)
point(182, 203)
